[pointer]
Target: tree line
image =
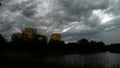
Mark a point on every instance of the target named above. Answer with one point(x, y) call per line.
point(40, 42)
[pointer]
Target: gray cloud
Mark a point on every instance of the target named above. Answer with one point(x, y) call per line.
point(74, 19)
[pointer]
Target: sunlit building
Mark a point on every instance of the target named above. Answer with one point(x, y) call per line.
point(29, 32)
point(55, 36)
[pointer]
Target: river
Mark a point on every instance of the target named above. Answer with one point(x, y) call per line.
point(96, 60)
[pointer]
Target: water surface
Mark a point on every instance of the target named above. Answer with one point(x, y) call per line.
point(96, 60)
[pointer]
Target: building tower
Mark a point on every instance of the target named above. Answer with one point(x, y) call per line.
point(29, 32)
point(55, 36)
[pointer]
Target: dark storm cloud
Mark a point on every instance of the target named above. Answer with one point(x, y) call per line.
point(77, 6)
point(74, 19)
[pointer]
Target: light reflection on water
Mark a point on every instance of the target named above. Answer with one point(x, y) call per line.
point(101, 60)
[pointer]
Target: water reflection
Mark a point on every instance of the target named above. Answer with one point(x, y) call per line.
point(97, 60)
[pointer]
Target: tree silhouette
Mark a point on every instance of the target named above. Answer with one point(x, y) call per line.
point(56, 44)
point(2, 42)
point(23, 42)
point(40, 41)
point(83, 41)
point(17, 42)
point(83, 44)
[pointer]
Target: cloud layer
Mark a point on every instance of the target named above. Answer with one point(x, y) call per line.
point(74, 19)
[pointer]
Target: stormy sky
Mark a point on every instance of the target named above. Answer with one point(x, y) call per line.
point(74, 19)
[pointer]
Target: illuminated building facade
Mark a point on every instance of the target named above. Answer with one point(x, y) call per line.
point(55, 36)
point(29, 32)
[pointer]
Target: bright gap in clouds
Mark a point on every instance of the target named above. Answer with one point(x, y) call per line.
point(104, 17)
point(72, 26)
point(67, 29)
